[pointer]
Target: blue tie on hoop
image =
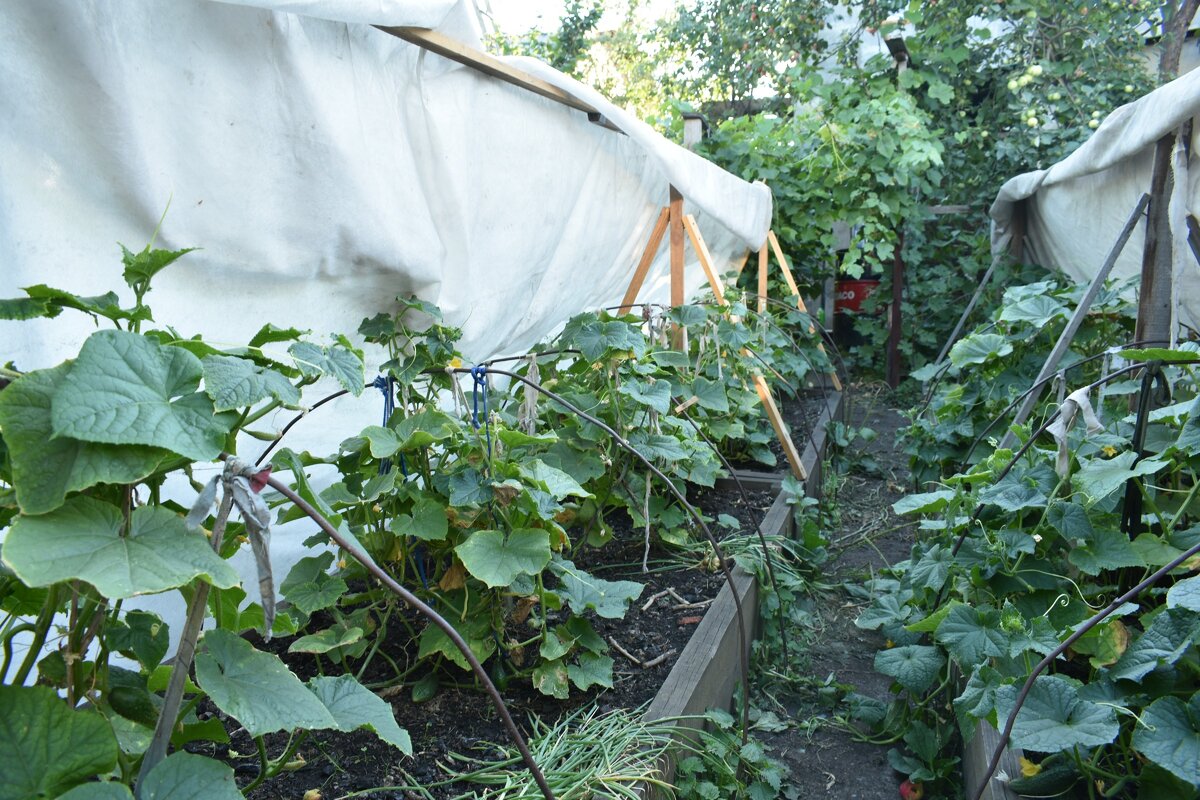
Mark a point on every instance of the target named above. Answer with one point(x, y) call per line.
point(387, 385)
point(479, 375)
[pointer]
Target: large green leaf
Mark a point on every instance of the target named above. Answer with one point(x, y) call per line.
point(128, 389)
point(979, 348)
point(1106, 549)
point(497, 560)
point(46, 468)
point(1098, 478)
point(923, 503)
point(427, 521)
point(98, 791)
point(1185, 594)
point(337, 361)
point(309, 586)
point(84, 540)
point(186, 776)
point(550, 677)
point(1170, 736)
point(591, 669)
point(141, 635)
point(972, 634)
point(1170, 634)
point(555, 481)
point(1189, 435)
point(584, 592)
point(913, 666)
point(656, 395)
point(476, 632)
point(353, 706)
point(234, 382)
point(46, 747)
point(711, 395)
point(256, 688)
point(1055, 718)
point(1036, 310)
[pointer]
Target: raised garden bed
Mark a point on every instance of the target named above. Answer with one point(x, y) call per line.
point(680, 661)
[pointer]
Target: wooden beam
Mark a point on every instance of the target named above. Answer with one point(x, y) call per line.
point(643, 267)
point(466, 55)
point(781, 431)
point(676, 228)
point(701, 248)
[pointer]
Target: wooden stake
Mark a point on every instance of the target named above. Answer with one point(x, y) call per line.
point(785, 439)
point(643, 267)
point(762, 280)
point(693, 231)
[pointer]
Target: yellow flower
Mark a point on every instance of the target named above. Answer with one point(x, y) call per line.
point(1109, 450)
point(889, 644)
point(456, 363)
point(341, 563)
point(1028, 768)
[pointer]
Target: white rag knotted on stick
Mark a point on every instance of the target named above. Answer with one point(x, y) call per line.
point(243, 482)
point(1076, 403)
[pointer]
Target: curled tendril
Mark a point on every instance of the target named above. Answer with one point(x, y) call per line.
point(1122, 710)
point(1065, 598)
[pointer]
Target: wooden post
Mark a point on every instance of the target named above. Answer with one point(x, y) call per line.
point(1064, 339)
point(1154, 298)
point(893, 345)
point(675, 226)
point(643, 267)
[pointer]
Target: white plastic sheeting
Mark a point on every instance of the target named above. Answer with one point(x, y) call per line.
point(1076, 208)
point(324, 167)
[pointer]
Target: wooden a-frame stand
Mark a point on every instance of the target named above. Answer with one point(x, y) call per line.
point(788, 278)
point(673, 219)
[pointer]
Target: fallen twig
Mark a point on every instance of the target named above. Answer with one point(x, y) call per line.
point(616, 646)
point(658, 659)
point(653, 598)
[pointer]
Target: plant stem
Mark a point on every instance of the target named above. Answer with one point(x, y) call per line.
point(183, 655)
point(41, 629)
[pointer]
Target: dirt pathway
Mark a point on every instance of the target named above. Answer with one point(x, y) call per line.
point(826, 760)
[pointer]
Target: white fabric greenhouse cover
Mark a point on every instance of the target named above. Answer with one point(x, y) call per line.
point(324, 167)
point(1076, 208)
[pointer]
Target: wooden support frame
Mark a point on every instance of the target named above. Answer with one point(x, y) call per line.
point(680, 225)
point(788, 278)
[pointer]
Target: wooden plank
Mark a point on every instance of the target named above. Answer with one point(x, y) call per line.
point(707, 671)
point(1064, 339)
point(813, 457)
point(705, 257)
point(676, 229)
point(1154, 315)
point(762, 281)
point(942, 210)
point(489, 65)
point(643, 267)
point(751, 480)
point(781, 431)
point(977, 754)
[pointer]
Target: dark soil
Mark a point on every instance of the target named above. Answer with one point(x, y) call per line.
point(460, 719)
point(825, 758)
